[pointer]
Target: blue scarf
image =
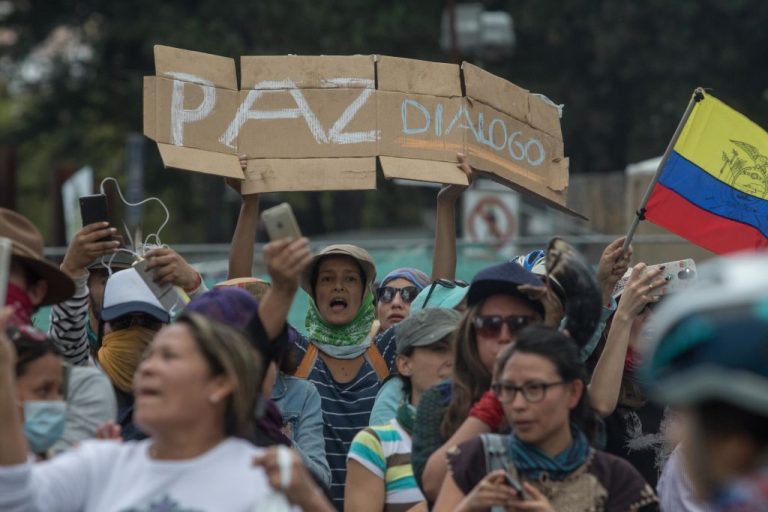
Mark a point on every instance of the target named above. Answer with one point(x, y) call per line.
point(532, 462)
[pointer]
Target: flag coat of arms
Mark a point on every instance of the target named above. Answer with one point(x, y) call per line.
point(713, 187)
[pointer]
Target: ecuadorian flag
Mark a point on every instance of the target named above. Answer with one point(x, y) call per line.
point(713, 188)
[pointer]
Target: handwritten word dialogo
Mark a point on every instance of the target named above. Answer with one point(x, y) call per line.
point(496, 135)
point(327, 123)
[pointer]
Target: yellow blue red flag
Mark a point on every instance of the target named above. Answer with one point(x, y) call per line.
point(713, 188)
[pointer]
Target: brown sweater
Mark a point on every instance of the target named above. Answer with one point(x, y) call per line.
point(604, 483)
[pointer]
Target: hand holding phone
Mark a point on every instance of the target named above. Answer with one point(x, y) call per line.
point(517, 486)
point(168, 294)
point(94, 209)
point(280, 222)
point(514, 484)
point(678, 276)
point(497, 490)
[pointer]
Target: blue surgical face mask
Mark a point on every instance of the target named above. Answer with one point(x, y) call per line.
point(44, 423)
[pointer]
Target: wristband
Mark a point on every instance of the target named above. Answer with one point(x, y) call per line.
point(198, 282)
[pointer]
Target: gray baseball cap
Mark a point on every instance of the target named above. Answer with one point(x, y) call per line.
point(118, 261)
point(426, 327)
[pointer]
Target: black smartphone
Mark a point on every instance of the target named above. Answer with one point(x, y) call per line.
point(94, 209)
point(516, 486)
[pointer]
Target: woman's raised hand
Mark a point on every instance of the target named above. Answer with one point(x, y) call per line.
point(287, 474)
point(286, 260)
point(109, 431)
point(638, 292)
point(614, 262)
point(453, 191)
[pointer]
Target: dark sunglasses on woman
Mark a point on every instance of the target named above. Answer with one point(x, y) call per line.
point(490, 325)
point(386, 294)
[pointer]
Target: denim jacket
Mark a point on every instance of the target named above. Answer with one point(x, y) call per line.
point(299, 402)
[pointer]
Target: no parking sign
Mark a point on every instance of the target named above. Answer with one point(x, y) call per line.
point(491, 217)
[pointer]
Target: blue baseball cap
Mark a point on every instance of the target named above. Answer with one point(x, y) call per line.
point(440, 296)
point(503, 278)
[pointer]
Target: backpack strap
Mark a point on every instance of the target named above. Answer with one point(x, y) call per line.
point(307, 362)
point(376, 360)
point(495, 451)
point(372, 355)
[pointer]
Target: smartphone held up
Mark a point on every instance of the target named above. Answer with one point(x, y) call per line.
point(678, 275)
point(95, 209)
point(280, 222)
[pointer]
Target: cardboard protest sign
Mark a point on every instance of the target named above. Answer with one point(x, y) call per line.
point(413, 100)
point(325, 122)
point(516, 136)
point(190, 101)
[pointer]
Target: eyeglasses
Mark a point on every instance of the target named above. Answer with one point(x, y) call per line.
point(386, 294)
point(491, 325)
point(533, 392)
point(445, 283)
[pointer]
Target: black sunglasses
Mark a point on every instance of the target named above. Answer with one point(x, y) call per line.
point(490, 325)
point(386, 294)
point(135, 320)
point(445, 283)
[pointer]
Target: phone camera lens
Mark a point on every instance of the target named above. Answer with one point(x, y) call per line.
point(686, 273)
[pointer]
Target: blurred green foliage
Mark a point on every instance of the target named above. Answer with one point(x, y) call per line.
point(624, 70)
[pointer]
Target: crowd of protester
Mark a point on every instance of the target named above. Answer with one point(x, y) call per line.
point(542, 383)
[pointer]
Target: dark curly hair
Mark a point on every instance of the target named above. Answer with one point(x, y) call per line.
point(562, 352)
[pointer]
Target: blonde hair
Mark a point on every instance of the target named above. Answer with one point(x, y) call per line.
point(228, 352)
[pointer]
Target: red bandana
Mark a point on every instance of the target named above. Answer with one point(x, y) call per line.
point(23, 307)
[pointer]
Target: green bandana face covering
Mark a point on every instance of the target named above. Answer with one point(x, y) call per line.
point(346, 341)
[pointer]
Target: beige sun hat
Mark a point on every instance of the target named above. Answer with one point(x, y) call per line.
point(27, 247)
point(253, 285)
point(357, 253)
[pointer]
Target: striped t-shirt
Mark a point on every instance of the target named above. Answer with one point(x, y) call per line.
point(69, 325)
point(385, 451)
point(346, 407)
